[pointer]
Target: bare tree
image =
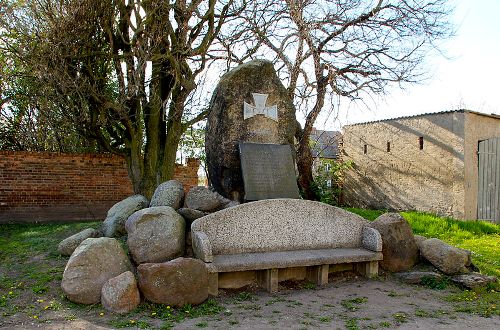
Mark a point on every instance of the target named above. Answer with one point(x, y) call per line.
point(120, 71)
point(330, 49)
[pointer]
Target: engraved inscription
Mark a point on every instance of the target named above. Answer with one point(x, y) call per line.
point(268, 171)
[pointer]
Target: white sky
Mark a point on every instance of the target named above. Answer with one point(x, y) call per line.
point(468, 77)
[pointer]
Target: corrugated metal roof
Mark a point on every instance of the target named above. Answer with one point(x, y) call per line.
point(492, 115)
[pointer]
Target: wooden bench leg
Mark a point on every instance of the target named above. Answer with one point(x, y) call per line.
point(318, 274)
point(213, 284)
point(368, 269)
point(268, 279)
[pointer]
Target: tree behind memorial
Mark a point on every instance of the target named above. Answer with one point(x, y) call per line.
point(120, 71)
point(329, 50)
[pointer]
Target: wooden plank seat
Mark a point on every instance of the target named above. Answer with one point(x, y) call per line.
point(271, 235)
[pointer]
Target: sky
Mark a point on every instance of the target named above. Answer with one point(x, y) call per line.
point(467, 77)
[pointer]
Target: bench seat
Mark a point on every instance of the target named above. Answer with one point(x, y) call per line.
point(275, 240)
point(284, 259)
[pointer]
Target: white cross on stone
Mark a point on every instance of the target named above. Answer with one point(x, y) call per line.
point(260, 108)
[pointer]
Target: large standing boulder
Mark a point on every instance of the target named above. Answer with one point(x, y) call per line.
point(93, 263)
point(398, 245)
point(155, 234)
point(114, 223)
point(120, 294)
point(174, 283)
point(448, 259)
point(170, 193)
point(226, 126)
point(68, 245)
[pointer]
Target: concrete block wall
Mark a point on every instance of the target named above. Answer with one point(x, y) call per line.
point(43, 187)
point(401, 176)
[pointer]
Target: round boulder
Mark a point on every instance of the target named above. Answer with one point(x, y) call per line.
point(448, 259)
point(68, 245)
point(92, 264)
point(190, 215)
point(474, 280)
point(170, 193)
point(226, 126)
point(203, 199)
point(120, 294)
point(174, 283)
point(155, 234)
point(398, 245)
point(114, 223)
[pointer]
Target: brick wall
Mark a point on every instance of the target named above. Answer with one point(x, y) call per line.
point(42, 187)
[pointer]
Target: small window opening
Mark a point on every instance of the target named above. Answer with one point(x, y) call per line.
point(329, 183)
point(327, 167)
point(388, 146)
point(365, 149)
point(421, 142)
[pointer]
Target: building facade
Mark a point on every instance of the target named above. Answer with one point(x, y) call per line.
point(325, 148)
point(429, 162)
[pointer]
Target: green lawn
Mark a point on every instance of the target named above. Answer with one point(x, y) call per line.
point(480, 237)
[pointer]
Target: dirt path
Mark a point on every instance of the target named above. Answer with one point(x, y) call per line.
point(352, 304)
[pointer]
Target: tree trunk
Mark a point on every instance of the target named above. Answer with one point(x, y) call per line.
point(304, 156)
point(304, 165)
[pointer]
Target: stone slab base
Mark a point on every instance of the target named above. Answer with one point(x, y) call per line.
point(269, 279)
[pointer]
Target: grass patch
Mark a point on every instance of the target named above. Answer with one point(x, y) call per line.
point(353, 305)
point(367, 214)
point(400, 317)
point(352, 324)
point(480, 237)
point(482, 302)
point(436, 284)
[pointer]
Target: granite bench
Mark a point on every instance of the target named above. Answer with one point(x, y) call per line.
point(273, 240)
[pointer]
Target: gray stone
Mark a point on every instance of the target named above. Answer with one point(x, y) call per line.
point(448, 259)
point(120, 294)
point(399, 247)
point(278, 225)
point(416, 277)
point(474, 280)
point(170, 193)
point(226, 126)
point(371, 239)
point(155, 234)
point(174, 283)
point(114, 224)
point(268, 171)
point(92, 264)
point(231, 204)
point(188, 253)
point(203, 199)
point(190, 215)
point(419, 239)
point(68, 245)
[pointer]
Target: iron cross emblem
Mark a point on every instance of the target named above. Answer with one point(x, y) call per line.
point(260, 108)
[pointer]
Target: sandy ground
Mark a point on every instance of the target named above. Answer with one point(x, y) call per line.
point(355, 303)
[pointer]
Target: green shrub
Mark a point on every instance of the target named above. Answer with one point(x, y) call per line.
point(330, 171)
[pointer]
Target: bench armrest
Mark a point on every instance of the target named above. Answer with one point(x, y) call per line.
point(201, 246)
point(371, 239)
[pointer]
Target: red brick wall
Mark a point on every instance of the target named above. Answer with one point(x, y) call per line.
point(42, 187)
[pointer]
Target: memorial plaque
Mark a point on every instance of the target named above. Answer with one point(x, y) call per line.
point(268, 171)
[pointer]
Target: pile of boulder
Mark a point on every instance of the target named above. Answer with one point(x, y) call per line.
point(403, 252)
point(155, 260)
point(158, 260)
